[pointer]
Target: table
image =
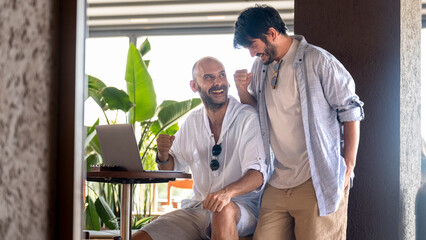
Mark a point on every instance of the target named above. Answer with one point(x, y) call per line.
point(127, 179)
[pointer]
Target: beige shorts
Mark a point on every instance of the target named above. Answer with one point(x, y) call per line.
point(293, 214)
point(194, 224)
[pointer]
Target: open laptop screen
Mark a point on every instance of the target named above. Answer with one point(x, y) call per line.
point(119, 147)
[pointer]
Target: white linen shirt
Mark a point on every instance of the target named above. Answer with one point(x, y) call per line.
point(242, 150)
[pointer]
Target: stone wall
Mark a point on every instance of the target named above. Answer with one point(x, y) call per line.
point(26, 78)
point(410, 115)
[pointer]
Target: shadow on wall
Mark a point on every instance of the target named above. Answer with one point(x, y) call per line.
point(421, 199)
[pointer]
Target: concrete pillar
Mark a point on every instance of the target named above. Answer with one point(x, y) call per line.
point(379, 43)
point(27, 113)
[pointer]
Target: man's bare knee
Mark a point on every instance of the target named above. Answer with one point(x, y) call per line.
point(230, 212)
point(234, 211)
point(141, 235)
point(224, 223)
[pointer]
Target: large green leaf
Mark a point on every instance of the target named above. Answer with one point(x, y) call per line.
point(95, 145)
point(117, 99)
point(145, 47)
point(139, 87)
point(173, 111)
point(91, 159)
point(156, 129)
point(141, 222)
point(106, 214)
point(95, 88)
point(164, 104)
point(147, 62)
point(172, 130)
point(92, 217)
point(92, 140)
point(90, 133)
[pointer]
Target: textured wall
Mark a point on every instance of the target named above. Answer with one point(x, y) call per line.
point(25, 114)
point(410, 115)
point(377, 41)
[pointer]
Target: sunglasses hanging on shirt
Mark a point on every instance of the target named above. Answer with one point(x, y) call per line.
point(214, 163)
point(274, 81)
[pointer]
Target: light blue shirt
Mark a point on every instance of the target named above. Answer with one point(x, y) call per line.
point(328, 99)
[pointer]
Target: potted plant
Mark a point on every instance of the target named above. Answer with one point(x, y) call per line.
point(140, 105)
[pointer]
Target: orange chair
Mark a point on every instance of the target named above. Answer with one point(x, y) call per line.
point(186, 184)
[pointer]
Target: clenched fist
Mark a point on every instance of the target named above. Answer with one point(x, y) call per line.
point(164, 143)
point(242, 79)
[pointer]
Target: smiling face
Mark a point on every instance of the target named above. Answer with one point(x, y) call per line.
point(211, 83)
point(264, 50)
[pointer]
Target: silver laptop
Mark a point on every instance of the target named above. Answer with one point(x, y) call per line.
point(119, 147)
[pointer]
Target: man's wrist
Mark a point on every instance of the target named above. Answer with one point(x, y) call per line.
point(349, 171)
point(157, 159)
point(243, 92)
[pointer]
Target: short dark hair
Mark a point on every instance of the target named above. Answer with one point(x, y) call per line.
point(254, 22)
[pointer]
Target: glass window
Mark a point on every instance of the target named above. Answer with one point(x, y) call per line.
point(172, 59)
point(106, 60)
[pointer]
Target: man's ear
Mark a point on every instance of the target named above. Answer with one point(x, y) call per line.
point(272, 33)
point(193, 86)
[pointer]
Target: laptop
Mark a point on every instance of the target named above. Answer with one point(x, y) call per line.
point(119, 147)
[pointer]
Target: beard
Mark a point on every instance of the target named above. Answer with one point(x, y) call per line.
point(270, 52)
point(209, 102)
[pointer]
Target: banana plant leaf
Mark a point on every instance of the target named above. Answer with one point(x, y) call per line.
point(172, 111)
point(147, 62)
point(92, 217)
point(92, 138)
point(139, 87)
point(145, 47)
point(90, 133)
point(95, 88)
point(156, 129)
point(94, 144)
point(91, 159)
point(141, 222)
point(112, 198)
point(106, 214)
point(163, 105)
point(117, 99)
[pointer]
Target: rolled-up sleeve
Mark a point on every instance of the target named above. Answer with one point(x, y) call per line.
point(176, 152)
point(251, 149)
point(339, 90)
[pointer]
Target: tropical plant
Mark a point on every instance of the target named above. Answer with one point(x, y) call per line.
point(140, 105)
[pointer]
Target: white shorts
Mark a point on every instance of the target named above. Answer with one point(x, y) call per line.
point(195, 224)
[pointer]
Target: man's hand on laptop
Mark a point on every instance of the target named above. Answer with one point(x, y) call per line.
point(164, 143)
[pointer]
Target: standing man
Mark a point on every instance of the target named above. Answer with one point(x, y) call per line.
point(308, 107)
point(222, 145)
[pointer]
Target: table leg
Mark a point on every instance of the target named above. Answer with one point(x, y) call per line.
point(126, 211)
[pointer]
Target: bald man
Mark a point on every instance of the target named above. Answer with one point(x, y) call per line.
point(222, 145)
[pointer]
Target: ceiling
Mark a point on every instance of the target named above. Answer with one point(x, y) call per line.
point(160, 17)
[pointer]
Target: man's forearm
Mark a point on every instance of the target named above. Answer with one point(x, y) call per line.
point(252, 180)
point(351, 137)
point(216, 201)
point(247, 98)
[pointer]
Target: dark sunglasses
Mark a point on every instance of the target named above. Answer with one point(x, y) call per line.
point(214, 163)
point(274, 81)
